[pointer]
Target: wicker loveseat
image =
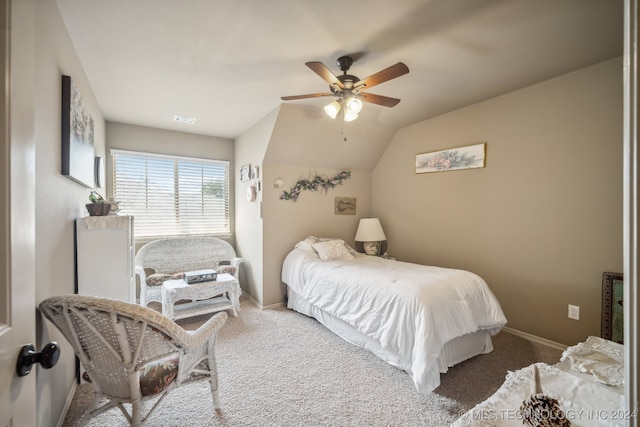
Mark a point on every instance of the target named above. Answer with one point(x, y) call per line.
point(162, 259)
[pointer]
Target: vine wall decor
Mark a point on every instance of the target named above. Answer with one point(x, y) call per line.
point(318, 183)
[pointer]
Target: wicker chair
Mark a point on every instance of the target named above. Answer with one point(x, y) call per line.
point(132, 353)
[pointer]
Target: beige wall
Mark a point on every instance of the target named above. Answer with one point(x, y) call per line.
point(542, 221)
point(306, 136)
point(58, 200)
point(249, 150)
point(299, 141)
point(287, 222)
point(268, 228)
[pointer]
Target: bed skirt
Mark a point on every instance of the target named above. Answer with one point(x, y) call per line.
point(453, 352)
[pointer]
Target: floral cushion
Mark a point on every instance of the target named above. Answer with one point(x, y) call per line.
point(157, 279)
point(156, 376)
point(226, 269)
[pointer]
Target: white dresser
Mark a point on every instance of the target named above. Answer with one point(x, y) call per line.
point(105, 257)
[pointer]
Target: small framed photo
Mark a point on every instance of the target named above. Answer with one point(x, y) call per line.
point(345, 206)
point(255, 172)
point(244, 172)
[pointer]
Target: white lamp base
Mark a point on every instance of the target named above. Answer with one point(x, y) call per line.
point(371, 248)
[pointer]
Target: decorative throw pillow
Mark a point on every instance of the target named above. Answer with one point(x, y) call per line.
point(157, 279)
point(307, 244)
point(333, 249)
point(156, 376)
point(351, 250)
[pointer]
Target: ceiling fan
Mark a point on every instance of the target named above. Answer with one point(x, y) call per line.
point(348, 89)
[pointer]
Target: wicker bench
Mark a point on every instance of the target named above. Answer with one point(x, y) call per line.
point(166, 259)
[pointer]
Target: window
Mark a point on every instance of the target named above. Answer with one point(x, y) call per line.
point(171, 195)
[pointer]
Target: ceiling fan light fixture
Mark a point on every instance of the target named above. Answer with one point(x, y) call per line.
point(332, 109)
point(353, 105)
point(349, 116)
point(348, 88)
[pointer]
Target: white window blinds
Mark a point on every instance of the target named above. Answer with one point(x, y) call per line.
point(170, 195)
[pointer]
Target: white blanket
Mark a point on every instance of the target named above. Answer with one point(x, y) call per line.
point(411, 309)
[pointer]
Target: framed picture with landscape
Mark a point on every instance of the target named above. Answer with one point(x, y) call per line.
point(612, 323)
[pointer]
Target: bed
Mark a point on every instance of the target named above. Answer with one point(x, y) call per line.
point(421, 319)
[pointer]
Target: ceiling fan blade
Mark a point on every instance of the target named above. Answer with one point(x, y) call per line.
point(311, 95)
point(320, 69)
point(385, 101)
point(387, 74)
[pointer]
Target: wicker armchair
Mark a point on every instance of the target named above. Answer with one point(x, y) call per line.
point(132, 353)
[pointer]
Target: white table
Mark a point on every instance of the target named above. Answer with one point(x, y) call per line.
point(206, 297)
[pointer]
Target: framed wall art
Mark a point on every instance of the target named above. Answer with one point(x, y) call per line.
point(255, 172)
point(469, 157)
point(612, 313)
point(345, 206)
point(78, 159)
point(245, 172)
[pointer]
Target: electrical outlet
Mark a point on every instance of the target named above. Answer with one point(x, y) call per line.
point(574, 312)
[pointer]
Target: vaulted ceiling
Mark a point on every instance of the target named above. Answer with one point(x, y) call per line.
point(228, 62)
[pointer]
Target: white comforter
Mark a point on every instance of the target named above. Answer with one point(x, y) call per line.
point(411, 309)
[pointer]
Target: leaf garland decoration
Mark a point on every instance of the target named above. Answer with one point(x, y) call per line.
point(316, 184)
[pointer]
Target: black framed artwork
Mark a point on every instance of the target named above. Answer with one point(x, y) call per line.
point(612, 313)
point(78, 159)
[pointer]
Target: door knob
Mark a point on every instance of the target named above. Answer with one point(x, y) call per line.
point(47, 358)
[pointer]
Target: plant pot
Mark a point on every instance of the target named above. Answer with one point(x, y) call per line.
point(98, 209)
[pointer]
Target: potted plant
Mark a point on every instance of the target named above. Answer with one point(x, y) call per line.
point(97, 207)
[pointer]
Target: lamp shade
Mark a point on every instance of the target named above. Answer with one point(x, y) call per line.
point(370, 230)
point(332, 109)
point(353, 105)
point(349, 117)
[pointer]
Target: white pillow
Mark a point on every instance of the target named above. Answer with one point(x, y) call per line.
point(333, 249)
point(307, 244)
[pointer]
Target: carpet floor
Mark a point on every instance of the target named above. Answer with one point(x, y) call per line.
point(280, 368)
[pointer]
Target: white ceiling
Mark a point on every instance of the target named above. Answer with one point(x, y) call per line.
point(228, 62)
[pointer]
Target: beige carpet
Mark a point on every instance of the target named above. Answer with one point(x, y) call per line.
point(280, 368)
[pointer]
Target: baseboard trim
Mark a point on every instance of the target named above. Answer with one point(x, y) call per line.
point(535, 338)
point(260, 306)
point(273, 306)
point(67, 404)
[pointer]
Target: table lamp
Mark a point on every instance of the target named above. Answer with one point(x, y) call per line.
point(371, 235)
